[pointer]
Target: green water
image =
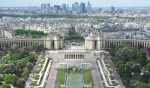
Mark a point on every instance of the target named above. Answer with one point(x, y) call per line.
point(74, 80)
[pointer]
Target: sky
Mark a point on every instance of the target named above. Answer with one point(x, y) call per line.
point(95, 3)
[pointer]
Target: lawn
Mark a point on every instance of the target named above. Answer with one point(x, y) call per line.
point(61, 76)
point(87, 76)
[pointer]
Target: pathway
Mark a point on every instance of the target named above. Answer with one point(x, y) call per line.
point(52, 77)
point(96, 78)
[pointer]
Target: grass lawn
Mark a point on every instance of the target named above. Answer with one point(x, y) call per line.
point(61, 76)
point(87, 76)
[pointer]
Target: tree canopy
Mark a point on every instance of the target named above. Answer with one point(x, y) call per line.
point(15, 67)
point(133, 66)
point(30, 33)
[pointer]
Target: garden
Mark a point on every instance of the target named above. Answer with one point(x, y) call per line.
point(74, 78)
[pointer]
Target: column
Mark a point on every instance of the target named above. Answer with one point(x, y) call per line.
point(76, 56)
point(56, 44)
point(66, 56)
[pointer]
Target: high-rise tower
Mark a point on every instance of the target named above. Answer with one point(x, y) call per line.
point(89, 7)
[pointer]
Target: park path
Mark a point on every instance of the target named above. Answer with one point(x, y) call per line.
point(52, 77)
point(98, 83)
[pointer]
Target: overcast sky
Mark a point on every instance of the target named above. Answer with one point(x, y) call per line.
point(95, 3)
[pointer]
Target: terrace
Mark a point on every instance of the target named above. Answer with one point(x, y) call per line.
point(39, 74)
point(107, 73)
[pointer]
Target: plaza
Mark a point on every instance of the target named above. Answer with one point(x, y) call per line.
point(85, 65)
point(80, 60)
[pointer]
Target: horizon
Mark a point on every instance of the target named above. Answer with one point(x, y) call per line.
point(95, 3)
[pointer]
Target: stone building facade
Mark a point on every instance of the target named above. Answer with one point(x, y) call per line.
point(51, 42)
point(98, 42)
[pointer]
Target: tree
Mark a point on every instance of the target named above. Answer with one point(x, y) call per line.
point(145, 76)
point(16, 64)
point(136, 68)
point(132, 65)
point(127, 69)
point(29, 65)
point(141, 58)
point(126, 53)
point(143, 85)
point(25, 73)
point(148, 66)
point(8, 68)
point(9, 78)
point(30, 33)
point(5, 86)
point(1, 78)
point(6, 58)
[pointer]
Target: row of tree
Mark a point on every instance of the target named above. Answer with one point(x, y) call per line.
point(30, 33)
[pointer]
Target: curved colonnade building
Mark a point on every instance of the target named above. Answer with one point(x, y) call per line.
point(92, 42)
point(98, 42)
point(50, 42)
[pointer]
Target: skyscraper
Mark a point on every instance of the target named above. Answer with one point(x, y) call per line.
point(45, 6)
point(64, 7)
point(82, 7)
point(89, 7)
point(57, 8)
point(76, 7)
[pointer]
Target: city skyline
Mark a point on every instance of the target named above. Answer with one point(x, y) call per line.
point(95, 3)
